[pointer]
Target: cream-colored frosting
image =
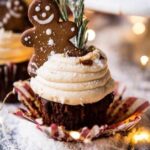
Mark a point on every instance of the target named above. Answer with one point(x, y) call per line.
point(11, 48)
point(66, 80)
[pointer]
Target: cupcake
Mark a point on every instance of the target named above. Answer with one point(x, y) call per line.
point(73, 85)
point(74, 94)
point(14, 56)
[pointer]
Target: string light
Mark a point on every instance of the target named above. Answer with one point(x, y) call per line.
point(91, 34)
point(75, 135)
point(139, 28)
point(138, 24)
point(144, 60)
point(142, 136)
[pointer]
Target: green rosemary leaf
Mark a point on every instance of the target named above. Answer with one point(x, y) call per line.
point(62, 4)
point(81, 37)
point(77, 9)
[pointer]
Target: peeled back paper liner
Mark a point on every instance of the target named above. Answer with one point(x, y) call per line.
point(123, 114)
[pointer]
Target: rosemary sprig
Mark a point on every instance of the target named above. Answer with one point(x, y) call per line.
point(82, 38)
point(62, 4)
point(77, 9)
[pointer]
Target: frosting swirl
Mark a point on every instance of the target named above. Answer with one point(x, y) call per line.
point(66, 80)
point(11, 49)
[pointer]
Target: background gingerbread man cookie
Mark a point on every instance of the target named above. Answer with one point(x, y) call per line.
point(48, 34)
point(13, 15)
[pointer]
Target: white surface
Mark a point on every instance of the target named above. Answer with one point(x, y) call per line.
point(127, 7)
point(27, 137)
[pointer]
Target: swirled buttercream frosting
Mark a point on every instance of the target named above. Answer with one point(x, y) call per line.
point(11, 49)
point(68, 80)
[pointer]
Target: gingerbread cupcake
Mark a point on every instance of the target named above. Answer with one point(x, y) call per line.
point(72, 84)
point(14, 56)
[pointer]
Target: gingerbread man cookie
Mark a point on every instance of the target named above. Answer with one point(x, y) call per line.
point(13, 15)
point(48, 34)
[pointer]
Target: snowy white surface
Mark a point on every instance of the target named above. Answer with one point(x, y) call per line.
point(23, 135)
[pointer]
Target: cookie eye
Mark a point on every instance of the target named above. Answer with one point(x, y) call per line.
point(47, 8)
point(16, 3)
point(37, 8)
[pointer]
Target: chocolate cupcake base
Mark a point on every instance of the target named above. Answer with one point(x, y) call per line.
point(75, 117)
point(9, 73)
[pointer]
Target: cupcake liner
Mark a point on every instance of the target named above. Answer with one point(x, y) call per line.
point(123, 115)
point(9, 73)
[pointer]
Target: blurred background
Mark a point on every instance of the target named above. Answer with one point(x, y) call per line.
point(124, 35)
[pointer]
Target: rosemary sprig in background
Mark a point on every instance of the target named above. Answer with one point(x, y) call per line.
point(77, 9)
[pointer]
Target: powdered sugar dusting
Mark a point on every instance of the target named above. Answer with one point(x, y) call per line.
point(51, 42)
point(34, 139)
point(72, 29)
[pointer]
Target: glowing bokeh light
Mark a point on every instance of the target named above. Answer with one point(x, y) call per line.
point(141, 136)
point(91, 34)
point(138, 28)
point(144, 60)
point(75, 135)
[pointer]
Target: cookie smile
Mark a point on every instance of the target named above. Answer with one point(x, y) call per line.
point(46, 21)
point(15, 14)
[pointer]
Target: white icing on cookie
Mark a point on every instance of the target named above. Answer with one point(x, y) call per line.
point(42, 22)
point(14, 14)
point(11, 12)
point(47, 8)
point(72, 29)
point(48, 31)
point(43, 14)
point(37, 9)
point(50, 42)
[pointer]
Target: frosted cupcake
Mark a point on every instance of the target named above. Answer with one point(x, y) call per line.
point(73, 86)
point(14, 56)
point(74, 94)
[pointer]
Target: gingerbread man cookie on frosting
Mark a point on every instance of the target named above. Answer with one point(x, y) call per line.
point(48, 34)
point(13, 15)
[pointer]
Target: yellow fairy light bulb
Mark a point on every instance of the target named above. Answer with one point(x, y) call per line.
point(91, 34)
point(141, 136)
point(144, 60)
point(75, 135)
point(139, 28)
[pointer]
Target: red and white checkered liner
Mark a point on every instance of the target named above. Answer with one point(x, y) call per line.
point(123, 114)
